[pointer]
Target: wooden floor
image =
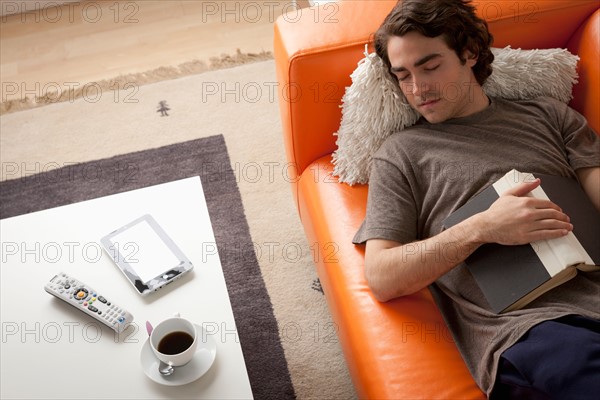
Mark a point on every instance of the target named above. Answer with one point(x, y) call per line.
point(87, 41)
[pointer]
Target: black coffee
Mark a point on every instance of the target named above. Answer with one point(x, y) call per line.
point(175, 343)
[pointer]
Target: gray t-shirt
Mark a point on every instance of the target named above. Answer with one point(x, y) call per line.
point(422, 174)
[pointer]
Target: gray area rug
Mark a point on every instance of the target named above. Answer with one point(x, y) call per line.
point(207, 158)
point(68, 133)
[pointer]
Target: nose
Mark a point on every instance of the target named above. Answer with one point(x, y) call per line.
point(416, 88)
point(420, 86)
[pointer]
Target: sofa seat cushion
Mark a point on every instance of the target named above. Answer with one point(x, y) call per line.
point(389, 353)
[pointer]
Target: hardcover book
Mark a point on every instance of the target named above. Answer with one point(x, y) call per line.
point(510, 277)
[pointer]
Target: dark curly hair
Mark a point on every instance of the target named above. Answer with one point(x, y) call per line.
point(454, 20)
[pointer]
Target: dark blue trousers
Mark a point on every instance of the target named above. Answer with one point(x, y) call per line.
point(558, 359)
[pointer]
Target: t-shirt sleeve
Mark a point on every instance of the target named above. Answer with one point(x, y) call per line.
point(582, 144)
point(391, 206)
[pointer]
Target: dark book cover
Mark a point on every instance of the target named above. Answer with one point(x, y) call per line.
point(505, 274)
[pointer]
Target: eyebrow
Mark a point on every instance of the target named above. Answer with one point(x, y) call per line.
point(419, 62)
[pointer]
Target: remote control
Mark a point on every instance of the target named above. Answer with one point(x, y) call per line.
point(89, 301)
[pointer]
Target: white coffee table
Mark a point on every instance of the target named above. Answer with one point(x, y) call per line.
point(51, 350)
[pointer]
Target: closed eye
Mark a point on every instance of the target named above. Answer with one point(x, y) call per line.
point(432, 68)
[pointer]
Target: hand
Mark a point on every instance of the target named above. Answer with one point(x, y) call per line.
point(516, 219)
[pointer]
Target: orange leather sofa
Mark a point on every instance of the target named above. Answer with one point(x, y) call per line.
point(400, 349)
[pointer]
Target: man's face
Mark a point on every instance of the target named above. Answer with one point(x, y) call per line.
point(432, 77)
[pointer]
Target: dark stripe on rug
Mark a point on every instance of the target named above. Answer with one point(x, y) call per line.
point(207, 158)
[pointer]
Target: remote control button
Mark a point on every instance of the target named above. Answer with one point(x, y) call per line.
point(77, 293)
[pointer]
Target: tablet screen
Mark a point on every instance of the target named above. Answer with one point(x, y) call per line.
point(146, 255)
point(144, 251)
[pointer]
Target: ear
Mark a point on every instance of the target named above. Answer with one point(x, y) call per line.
point(470, 58)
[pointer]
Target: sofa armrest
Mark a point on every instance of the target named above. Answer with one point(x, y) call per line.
point(316, 50)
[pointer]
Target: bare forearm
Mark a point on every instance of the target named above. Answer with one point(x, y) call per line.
point(396, 271)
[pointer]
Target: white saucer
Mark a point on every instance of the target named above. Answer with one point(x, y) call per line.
point(198, 366)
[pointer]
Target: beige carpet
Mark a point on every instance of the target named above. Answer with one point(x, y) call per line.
point(241, 104)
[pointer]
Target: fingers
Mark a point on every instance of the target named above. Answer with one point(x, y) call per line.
point(551, 224)
point(545, 224)
point(528, 232)
point(540, 204)
point(545, 215)
point(544, 234)
point(551, 214)
point(516, 218)
point(523, 188)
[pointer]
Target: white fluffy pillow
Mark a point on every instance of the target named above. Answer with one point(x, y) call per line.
point(374, 107)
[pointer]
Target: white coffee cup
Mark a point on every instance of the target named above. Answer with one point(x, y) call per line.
point(169, 341)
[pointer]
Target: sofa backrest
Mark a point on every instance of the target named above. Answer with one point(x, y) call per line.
point(317, 49)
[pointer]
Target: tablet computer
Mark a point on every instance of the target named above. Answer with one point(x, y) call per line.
point(146, 255)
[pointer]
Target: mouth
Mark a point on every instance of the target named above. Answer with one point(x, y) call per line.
point(428, 103)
